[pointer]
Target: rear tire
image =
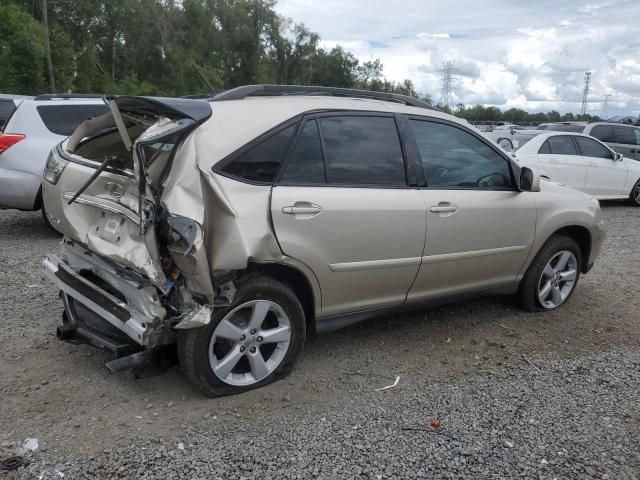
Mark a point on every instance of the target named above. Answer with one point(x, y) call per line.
point(553, 275)
point(634, 196)
point(262, 351)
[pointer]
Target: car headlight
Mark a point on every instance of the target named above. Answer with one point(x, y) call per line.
point(54, 168)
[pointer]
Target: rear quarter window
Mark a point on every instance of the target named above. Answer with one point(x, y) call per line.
point(261, 161)
point(64, 119)
point(6, 109)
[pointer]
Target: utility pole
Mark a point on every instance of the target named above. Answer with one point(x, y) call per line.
point(605, 106)
point(45, 22)
point(448, 69)
point(585, 92)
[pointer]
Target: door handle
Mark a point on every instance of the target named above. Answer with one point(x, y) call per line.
point(444, 207)
point(302, 208)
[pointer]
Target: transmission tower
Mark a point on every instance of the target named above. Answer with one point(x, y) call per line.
point(585, 92)
point(605, 105)
point(448, 69)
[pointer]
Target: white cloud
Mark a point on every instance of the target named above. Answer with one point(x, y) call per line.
point(531, 55)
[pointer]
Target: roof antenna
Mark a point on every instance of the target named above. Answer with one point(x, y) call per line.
point(204, 80)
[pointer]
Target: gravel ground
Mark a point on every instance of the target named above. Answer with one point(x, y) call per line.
point(516, 395)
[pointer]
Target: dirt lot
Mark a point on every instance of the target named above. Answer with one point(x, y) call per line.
point(553, 395)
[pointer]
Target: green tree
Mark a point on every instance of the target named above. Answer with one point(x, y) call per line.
point(22, 52)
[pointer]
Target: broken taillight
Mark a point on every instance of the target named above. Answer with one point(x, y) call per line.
point(8, 140)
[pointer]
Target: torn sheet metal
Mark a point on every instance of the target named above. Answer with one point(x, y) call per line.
point(198, 318)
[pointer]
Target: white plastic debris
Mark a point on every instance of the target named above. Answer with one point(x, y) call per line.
point(389, 386)
point(180, 446)
point(29, 445)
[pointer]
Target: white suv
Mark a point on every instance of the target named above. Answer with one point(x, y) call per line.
point(233, 227)
point(33, 128)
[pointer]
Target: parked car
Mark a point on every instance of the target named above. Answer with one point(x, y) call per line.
point(33, 128)
point(236, 226)
point(576, 127)
point(622, 138)
point(584, 163)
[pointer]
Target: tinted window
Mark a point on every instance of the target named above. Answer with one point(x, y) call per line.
point(636, 132)
point(562, 145)
point(306, 164)
point(64, 119)
point(624, 135)
point(261, 162)
point(591, 148)
point(6, 109)
point(545, 149)
point(604, 133)
point(452, 157)
point(362, 151)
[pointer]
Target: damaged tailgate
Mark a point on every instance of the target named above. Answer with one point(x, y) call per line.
point(103, 188)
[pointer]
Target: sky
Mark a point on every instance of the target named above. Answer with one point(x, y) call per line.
point(530, 54)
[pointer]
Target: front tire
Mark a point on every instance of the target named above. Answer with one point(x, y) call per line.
point(251, 343)
point(634, 196)
point(552, 276)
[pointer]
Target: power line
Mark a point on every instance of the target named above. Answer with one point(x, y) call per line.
point(585, 92)
point(448, 69)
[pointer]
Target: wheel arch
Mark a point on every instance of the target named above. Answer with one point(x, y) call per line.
point(307, 292)
point(582, 237)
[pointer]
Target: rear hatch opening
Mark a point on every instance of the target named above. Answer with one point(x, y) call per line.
point(106, 184)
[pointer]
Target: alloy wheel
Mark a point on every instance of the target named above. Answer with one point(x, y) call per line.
point(557, 279)
point(636, 193)
point(250, 342)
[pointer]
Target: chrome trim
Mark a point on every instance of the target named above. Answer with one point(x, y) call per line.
point(101, 204)
point(372, 264)
point(445, 257)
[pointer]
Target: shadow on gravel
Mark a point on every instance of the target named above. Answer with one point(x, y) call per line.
point(19, 226)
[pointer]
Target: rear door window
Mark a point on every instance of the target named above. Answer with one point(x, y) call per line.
point(64, 119)
point(591, 148)
point(624, 135)
point(362, 150)
point(604, 133)
point(562, 145)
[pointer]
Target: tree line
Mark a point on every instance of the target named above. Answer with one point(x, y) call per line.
point(150, 47)
point(479, 113)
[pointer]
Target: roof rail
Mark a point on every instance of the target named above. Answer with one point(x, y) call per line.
point(275, 90)
point(53, 96)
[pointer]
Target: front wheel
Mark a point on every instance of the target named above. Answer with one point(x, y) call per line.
point(634, 196)
point(251, 343)
point(552, 276)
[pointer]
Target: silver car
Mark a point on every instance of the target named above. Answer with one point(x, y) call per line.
point(235, 227)
point(32, 128)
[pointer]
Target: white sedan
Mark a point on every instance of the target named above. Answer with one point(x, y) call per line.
point(584, 163)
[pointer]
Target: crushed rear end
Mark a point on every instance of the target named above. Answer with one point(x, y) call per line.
point(132, 265)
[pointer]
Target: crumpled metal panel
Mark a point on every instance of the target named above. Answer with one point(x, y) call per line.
point(232, 236)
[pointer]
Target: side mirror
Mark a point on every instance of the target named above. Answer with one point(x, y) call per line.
point(529, 181)
point(618, 157)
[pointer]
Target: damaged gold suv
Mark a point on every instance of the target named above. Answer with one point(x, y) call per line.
point(233, 227)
